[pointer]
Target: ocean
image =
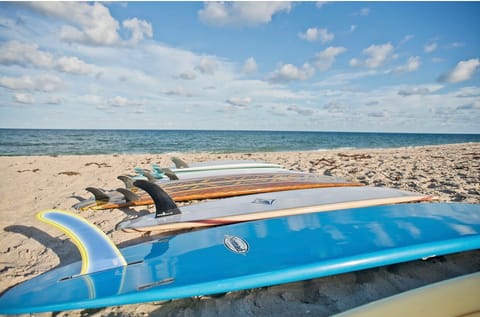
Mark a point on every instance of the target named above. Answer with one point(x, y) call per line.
point(85, 142)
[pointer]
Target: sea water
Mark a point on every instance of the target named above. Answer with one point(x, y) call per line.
point(83, 142)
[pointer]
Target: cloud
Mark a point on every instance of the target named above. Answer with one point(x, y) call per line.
point(463, 71)
point(16, 53)
point(250, 66)
point(241, 13)
point(45, 83)
point(335, 107)
point(22, 54)
point(415, 91)
point(91, 24)
point(119, 101)
point(73, 65)
point(406, 39)
point(178, 91)
point(289, 72)
point(377, 56)
point(412, 64)
point(301, 110)
point(353, 27)
point(239, 102)
point(325, 59)
point(314, 34)
point(24, 98)
point(207, 65)
point(138, 28)
point(187, 75)
point(430, 47)
point(362, 12)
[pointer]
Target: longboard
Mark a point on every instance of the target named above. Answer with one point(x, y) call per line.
point(169, 217)
point(248, 255)
point(455, 297)
point(223, 186)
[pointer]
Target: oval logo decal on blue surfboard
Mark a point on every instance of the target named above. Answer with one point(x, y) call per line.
point(236, 244)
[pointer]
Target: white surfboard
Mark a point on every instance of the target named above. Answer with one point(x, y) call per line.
point(268, 205)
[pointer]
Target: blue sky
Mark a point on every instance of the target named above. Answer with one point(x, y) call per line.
point(319, 66)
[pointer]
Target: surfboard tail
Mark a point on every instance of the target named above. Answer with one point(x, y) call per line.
point(97, 251)
point(164, 204)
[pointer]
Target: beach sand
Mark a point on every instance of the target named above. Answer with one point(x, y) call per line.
point(33, 183)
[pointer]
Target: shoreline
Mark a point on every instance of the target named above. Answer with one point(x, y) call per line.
point(32, 183)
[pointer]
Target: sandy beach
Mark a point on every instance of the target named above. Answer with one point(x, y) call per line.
point(33, 183)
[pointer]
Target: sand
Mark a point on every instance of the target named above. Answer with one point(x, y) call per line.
point(33, 183)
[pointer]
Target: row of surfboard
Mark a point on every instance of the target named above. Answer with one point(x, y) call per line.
point(271, 226)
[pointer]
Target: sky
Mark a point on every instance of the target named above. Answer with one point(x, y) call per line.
point(302, 66)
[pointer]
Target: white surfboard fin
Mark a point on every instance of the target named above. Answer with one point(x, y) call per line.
point(164, 204)
point(98, 252)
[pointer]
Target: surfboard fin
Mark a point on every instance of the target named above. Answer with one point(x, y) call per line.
point(170, 174)
point(164, 204)
point(149, 176)
point(129, 195)
point(179, 163)
point(127, 180)
point(99, 194)
point(98, 252)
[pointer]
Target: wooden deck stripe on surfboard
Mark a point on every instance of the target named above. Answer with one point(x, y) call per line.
point(223, 193)
point(276, 213)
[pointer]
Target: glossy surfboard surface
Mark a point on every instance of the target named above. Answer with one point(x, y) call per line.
point(227, 186)
point(269, 205)
point(256, 254)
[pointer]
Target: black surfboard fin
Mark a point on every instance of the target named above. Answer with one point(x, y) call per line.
point(164, 204)
point(98, 193)
point(127, 180)
point(129, 195)
point(170, 174)
point(179, 163)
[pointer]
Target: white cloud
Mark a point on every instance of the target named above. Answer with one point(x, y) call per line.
point(406, 39)
point(430, 47)
point(353, 27)
point(315, 34)
point(241, 13)
point(289, 72)
point(92, 24)
point(301, 110)
point(24, 98)
point(45, 83)
point(14, 52)
point(25, 55)
point(463, 71)
point(325, 59)
point(138, 28)
point(239, 102)
point(120, 101)
point(377, 56)
point(419, 90)
point(187, 75)
point(178, 91)
point(412, 64)
point(362, 12)
point(250, 66)
point(73, 65)
point(207, 65)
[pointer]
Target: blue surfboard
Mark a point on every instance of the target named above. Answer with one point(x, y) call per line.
point(255, 254)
